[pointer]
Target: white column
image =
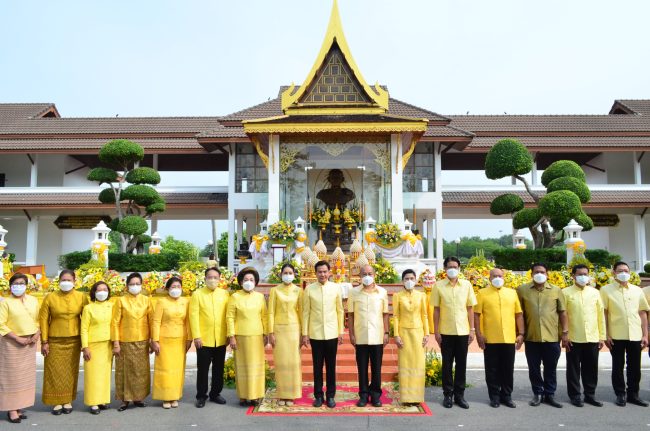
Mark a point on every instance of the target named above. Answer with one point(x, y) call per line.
point(231, 209)
point(534, 171)
point(430, 237)
point(274, 179)
point(397, 195)
point(154, 224)
point(639, 242)
point(231, 237)
point(240, 229)
point(32, 241)
point(215, 239)
point(33, 177)
point(437, 167)
point(154, 163)
point(637, 167)
point(439, 252)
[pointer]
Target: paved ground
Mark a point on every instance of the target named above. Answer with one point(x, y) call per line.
point(479, 417)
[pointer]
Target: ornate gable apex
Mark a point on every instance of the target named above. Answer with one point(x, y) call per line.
point(335, 84)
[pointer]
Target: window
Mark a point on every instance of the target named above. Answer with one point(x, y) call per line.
point(250, 173)
point(418, 175)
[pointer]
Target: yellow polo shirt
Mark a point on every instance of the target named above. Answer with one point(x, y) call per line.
point(541, 308)
point(60, 314)
point(132, 318)
point(498, 308)
point(585, 311)
point(322, 311)
point(208, 316)
point(368, 309)
point(622, 307)
point(246, 314)
point(96, 322)
point(19, 315)
point(453, 302)
point(410, 311)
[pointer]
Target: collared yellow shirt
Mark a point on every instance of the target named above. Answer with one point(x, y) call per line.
point(322, 311)
point(285, 305)
point(585, 311)
point(646, 291)
point(428, 293)
point(622, 307)
point(498, 308)
point(96, 322)
point(208, 316)
point(60, 314)
point(171, 319)
point(132, 318)
point(410, 311)
point(369, 309)
point(19, 315)
point(246, 314)
point(541, 312)
point(453, 302)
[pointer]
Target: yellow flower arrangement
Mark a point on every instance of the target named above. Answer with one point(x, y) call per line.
point(388, 234)
point(152, 282)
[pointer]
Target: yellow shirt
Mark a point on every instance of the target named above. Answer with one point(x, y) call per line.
point(410, 311)
point(246, 314)
point(208, 316)
point(19, 315)
point(428, 293)
point(96, 322)
point(498, 308)
point(622, 306)
point(285, 305)
point(171, 319)
point(646, 291)
point(453, 302)
point(541, 308)
point(322, 311)
point(60, 314)
point(585, 311)
point(132, 318)
point(369, 309)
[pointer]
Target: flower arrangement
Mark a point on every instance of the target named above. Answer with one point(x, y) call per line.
point(275, 275)
point(227, 277)
point(384, 271)
point(432, 369)
point(116, 283)
point(191, 281)
point(230, 376)
point(4, 284)
point(193, 266)
point(152, 282)
point(388, 234)
point(88, 274)
point(282, 232)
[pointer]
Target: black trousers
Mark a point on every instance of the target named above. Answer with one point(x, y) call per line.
point(548, 354)
point(324, 351)
point(454, 348)
point(582, 361)
point(626, 351)
point(499, 360)
point(204, 357)
point(369, 353)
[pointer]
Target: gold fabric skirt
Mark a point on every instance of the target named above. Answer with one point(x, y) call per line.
point(249, 367)
point(133, 372)
point(61, 370)
point(169, 370)
point(287, 363)
point(410, 360)
point(97, 374)
point(17, 375)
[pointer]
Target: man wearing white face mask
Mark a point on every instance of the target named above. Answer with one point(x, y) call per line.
point(368, 325)
point(627, 332)
point(544, 315)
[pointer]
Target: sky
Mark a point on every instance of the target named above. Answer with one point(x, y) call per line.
point(185, 58)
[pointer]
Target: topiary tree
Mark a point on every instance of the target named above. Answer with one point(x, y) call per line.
point(130, 191)
point(566, 191)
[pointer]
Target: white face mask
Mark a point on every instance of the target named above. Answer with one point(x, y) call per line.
point(539, 278)
point(623, 277)
point(66, 286)
point(498, 282)
point(102, 295)
point(212, 283)
point(175, 292)
point(452, 273)
point(135, 289)
point(248, 285)
point(409, 284)
point(287, 278)
point(367, 280)
point(582, 280)
point(18, 289)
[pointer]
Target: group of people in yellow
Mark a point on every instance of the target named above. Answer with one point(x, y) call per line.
point(69, 323)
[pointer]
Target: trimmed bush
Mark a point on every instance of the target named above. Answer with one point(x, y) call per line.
point(601, 257)
point(74, 260)
point(646, 267)
point(121, 153)
point(156, 207)
point(143, 176)
point(575, 185)
point(124, 262)
point(520, 260)
point(585, 221)
point(141, 194)
point(506, 204)
point(107, 196)
point(102, 175)
point(563, 168)
point(563, 203)
point(506, 158)
point(526, 218)
point(132, 225)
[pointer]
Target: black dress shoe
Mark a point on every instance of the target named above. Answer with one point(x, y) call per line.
point(199, 403)
point(331, 403)
point(123, 407)
point(363, 401)
point(218, 399)
point(66, 411)
point(103, 407)
point(494, 403)
point(577, 402)
point(460, 402)
point(243, 403)
point(95, 411)
point(57, 412)
point(447, 402)
point(592, 401)
point(141, 404)
point(376, 403)
point(550, 400)
point(318, 401)
point(537, 400)
point(22, 414)
point(508, 403)
point(620, 401)
point(13, 421)
point(634, 399)
point(254, 403)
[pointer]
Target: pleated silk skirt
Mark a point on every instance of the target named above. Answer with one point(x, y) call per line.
point(249, 367)
point(169, 370)
point(97, 374)
point(410, 360)
point(287, 363)
point(61, 370)
point(17, 375)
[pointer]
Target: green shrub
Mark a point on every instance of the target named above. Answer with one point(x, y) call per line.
point(102, 175)
point(600, 257)
point(74, 260)
point(563, 168)
point(520, 260)
point(107, 196)
point(562, 203)
point(506, 158)
point(121, 153)
point(575, 185)
point(156, 207)
point(132, 225)
point(646, 267)
point(143, 176)
point(585, 221)
point(506, 204)
point(141, 194)
point(526, 218)
point(124, 262)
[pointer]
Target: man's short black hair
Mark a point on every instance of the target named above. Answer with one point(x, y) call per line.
point(450, 259)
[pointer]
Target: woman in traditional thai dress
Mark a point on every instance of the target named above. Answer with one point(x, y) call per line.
point(284, 335)
point(411, 329)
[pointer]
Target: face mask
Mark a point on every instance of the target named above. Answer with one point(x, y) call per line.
point(498, 282)
point(539, 278)
point(287, 278)
point(18, 289)
point(175, 292)
point(623, 276)
point(66, 286)
point(452, 273)
point(367, 280)
point(101, 296)
point(135, 289)
point(582, 280)
point(212, 284)
point(248, 285)
point(409, 284)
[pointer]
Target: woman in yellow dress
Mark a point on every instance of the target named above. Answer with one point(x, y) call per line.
point(96, 348)
point(411, 329)
point(284, 335)
point(131, 336)
point(18, 337)
point(170, 342)
point(246, 321)
point(60, 321)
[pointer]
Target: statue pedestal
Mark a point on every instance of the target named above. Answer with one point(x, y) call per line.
point(418, 265)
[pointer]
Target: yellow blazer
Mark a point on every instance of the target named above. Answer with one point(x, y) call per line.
point(208, 316)
point(285, 305)
point(322, 311)
point(246, 314)
point(171, 319)
point(96, 322)
point(410, 311)
point(132, 318)
point(60, 314)
point(19, 315)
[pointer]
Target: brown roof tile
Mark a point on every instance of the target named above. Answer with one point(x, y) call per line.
point(22, 111)
point(95, 144)
point(73, 199)
point(638, 106)
point(592, 142)
point(613, 197)
point(551, 123)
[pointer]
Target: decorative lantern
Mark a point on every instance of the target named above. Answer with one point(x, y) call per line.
point(337, 262)
point(355, 250)
point(3, 244)
point(100, 244)
point(264, 228)
point(369, 224)
point(320, 249)
point(370, 255)
point(519, 240)
point(299, 224)
point(407, 225)
point(155, 247)
point(574, 243)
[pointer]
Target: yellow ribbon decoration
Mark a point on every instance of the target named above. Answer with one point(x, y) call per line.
point(259, 240)
point(371, 237)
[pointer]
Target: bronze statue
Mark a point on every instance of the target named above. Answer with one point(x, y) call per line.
point(335, 194)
